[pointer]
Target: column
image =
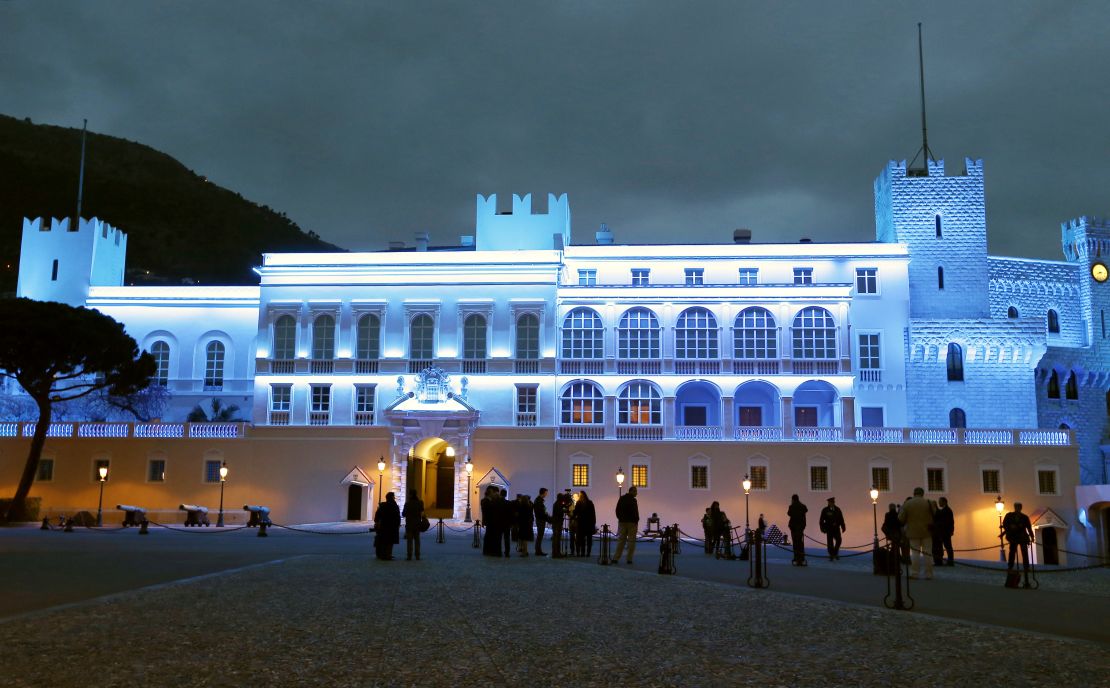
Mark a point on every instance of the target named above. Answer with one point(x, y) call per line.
point(787, 417)
point(848, 417)
point(668, 418)
point(610, 411)
point(728, 418)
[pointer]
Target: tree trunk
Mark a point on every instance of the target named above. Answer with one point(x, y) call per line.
point(17, 509)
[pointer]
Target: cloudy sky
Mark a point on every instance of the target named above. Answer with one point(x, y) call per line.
point(670, 121)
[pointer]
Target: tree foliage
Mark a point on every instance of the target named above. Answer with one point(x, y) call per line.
point(59, 353)
point(220, 413)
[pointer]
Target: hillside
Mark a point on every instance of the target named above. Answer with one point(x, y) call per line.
point(179, 225)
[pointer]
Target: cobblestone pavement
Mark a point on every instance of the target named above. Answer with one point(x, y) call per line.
point(459, 619)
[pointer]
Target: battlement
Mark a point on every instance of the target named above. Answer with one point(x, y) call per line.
point(58, 262)
point(1085, 236)
point(897, 170)
point(522, 229)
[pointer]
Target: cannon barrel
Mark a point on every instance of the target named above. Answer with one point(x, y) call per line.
point(256, 509)
point(194, 507)
point(128, 507)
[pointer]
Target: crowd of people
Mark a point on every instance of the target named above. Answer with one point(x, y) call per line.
point(524, 520)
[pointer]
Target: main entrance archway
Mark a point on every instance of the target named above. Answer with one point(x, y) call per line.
point(431, 471)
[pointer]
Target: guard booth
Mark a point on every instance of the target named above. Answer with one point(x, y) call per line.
point(492, 477)
point(1051, 532)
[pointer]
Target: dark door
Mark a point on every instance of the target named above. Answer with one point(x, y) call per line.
point(751, 416)
point(354, 502)
point(694, 415)
point(1049, 547)
point(445, 487)
point(805, 416)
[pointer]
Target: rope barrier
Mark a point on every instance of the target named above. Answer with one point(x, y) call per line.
point(197, 531)
point(318, 532)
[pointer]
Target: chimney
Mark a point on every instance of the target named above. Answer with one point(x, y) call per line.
point(604, 236)
point(742, 236)
point(396, 246)
point(421, 241)
point(466, 241)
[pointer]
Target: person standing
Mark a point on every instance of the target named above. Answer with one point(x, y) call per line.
point(628, 521)
point(413, 515)
point(491, 518)
point(539, 509)
point(944, 526)
point(716, 526)
point(387, 527)
point(586, 516)
point(558, 513)
point(1019, 533)
point(917, 522)
point(524, 518)
point(707, 530)
point(796, 512)
point(832, 525)
point(505, 520)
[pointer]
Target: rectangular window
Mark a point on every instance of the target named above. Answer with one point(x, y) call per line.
point(281, 397)
point(1046, 482)
point(212, 471)
point(156, 471)
point(694, 276)
point(992, 480)
point(102, 463)
point(587, 278)
point(871, 417)
point(869, 352)
point(321, 398)
point(364, 404)
point(934, 479)
point(867, 280)
point(749, 276)
point(45, 472)
point(580, 475)
point(940, 278)
point(818, 478)
point(639, 475)
point(640, 277)
point(880, 478)
point(699, 477)
point(759, 477)
point(54, 271)
point(803, 275)
point(526, 406)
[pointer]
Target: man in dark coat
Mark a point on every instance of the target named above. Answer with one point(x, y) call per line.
point(628, 522)
point(586, 516)
point(539, 509)
point(832, 525)
point(524, 518)
point(413, 514)
point(506, 516)
point(387, 527)
point(1019, 533)
point(944, 526)
point(796, 512)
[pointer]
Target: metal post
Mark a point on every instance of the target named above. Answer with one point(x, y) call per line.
point(604, 559)
point(477, 535)
point(220, 518)
point(100, 505)
point(467, 519)
point(875, 568)
point(440, 539)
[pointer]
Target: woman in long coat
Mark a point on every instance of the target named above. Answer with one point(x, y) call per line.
point(586, 515)
point(387, 527)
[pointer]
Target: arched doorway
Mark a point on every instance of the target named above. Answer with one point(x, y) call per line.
point(815, 405)
point(431, 472)
point(757, 404)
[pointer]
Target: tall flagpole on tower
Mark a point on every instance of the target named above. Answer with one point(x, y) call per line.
point(928, 154)
point(81, 176)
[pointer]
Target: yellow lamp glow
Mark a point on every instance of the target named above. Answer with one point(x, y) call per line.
point(223, 471)
point(381, 465)
point(103, 470)
point(450, 452)
point(469, 467)
point(747, 483)
point(874, 494)
point(620, 477)
point(999, 504)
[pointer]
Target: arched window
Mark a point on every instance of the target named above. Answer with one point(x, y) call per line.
point(160, 350)
point(1053, 322)
point(583, 334)
point(957, 418)
point(695, 335)
point(1071, 388)
point(814, 334)
point(528, 337)
point(214, 366)
point(1054, 386)
point(1011, 312)
point(474, 337)
point(638, 335)
point(422, 338)
point(368, 338)
point(323, 338)
point(582, 404)
point(955, 362)
point(639, 403)
point(755, 335)
point(285, 338)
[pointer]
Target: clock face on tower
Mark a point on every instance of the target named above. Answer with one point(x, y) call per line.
point(1098, 271)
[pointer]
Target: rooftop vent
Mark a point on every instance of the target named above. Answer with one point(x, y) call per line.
point(396, 246)
point(466, 240)
point(742, 236)
point(805, 240)
point(604, 236)
point(421, 241)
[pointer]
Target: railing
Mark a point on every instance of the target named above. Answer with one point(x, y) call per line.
point(366, 367)
point(417, 365)
point(817, 434)
point(9, 429)
point(639, 432)
point(988, 437)
point(870, 375)
point(213, 386)
point(279, 418)
point(695, 432)
point(591, 367)
point(746, 367)
point(319, 418)
point(526, 420)
point(758, 433)
point(526, 366)
point(581, 432)
point(364, 417)
point(934, 436)
point(1054, 438)
point(103, 430)
point(55, 430)
point(283, 367)
point(474, 366)
point(639, 367)
point(321, 366)
point(215, 430)
point(880, 435)
point(697, 367)
point(816, 367)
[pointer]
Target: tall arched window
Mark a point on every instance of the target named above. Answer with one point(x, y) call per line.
point(955, 362)
point(755, 335)
point(639, 403)
point(638, 334)
point(582, 404)
point(474, 337)
point(1011, 312)
point(422, 338)
point(695, 335)
point(285, 338)
point(814, 334)
point(528, 337)
point(368, 338)
point(160, 350)
point(214, 366)
point(323, 338)
point(957, 418)
point(1053, 322)
point(1054, 385)
point(583, 334)
point(1071, 388)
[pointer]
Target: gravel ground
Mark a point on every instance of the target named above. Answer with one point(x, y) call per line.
point(349, 620)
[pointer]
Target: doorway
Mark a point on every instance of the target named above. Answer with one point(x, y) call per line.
point(431, 472)
point(1049, 546)
point(751, 416)
point(695, 415)
point(805, 416)
point(356, 501)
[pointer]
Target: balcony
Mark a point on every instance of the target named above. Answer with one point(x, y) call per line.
point(526, 420)
point(582, 367)
point(758, 433)
point(283, 367)
point(364, 417)
point(366, 367)
point(818, 434)
point(639, 432)
point(687, 367)
point(695, 432)
point(581, 432)
point(816, 367)
point(756, 367)
point(474, 366)
point(418, 365)
point(319, 418)
point(526, 366)
point(870, 375)
point(321, 366)
point(639, 367)
point(279, 418)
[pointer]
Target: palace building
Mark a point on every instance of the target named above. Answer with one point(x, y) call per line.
point(813, 368)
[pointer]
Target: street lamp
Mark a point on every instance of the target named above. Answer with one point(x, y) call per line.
point(620, 480)
point(747, 485)
point(469, 472)
point(381, 471)
point(1000, 506)
point(223, 479)
point(874, 493)
point(103, 470)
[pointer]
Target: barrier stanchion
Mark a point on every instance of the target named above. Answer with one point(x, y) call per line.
point(143, 527)
point(604, 558)
point(894, 576)
point(757, 559)
point(667, 546)
point(440, 539)
point(477, 535)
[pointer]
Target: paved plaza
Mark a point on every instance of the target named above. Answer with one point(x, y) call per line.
point(226, 608)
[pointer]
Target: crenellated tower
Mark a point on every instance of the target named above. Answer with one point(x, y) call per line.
point(521, 229)
point(60, 263)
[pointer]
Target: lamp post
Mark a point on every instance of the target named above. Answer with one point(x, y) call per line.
point(223, 479)
point(747, 485)
point(620, 480)
point(1000, 506)
point(381, 472)
point(875, 524)
point(469, 472)
point(103, 470)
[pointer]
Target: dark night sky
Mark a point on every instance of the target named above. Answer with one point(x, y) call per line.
point(670, 121)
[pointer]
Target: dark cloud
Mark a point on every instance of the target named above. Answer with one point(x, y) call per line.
point(670, 121)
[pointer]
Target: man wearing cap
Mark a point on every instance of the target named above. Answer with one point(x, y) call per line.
point(832, 525)
point(628, 522)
